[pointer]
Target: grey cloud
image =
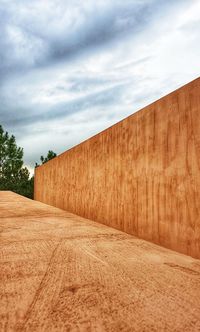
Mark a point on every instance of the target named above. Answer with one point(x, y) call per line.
point(102, 98)
point(79, 84)
point(31, 40)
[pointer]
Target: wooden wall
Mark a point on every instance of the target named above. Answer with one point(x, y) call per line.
point(141, 175)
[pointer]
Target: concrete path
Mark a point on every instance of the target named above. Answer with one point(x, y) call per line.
point(60, 272)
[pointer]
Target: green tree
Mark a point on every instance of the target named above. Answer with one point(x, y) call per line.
point(13, 176)
point(50, 155)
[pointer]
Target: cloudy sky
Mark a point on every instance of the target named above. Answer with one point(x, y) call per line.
point(71, 68)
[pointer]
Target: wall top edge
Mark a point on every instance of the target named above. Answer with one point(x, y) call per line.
point(185, 86)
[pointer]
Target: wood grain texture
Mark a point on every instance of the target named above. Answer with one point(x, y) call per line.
point(141, 175)
point(61, 272)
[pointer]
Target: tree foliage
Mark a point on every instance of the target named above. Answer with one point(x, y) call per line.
point(50, 155)
point(13, 175)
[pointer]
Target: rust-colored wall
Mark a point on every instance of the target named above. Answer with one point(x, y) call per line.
point(141, 175)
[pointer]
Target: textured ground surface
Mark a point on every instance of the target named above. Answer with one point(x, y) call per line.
point(60, 272)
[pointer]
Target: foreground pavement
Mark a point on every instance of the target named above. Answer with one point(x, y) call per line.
point(61, 272)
